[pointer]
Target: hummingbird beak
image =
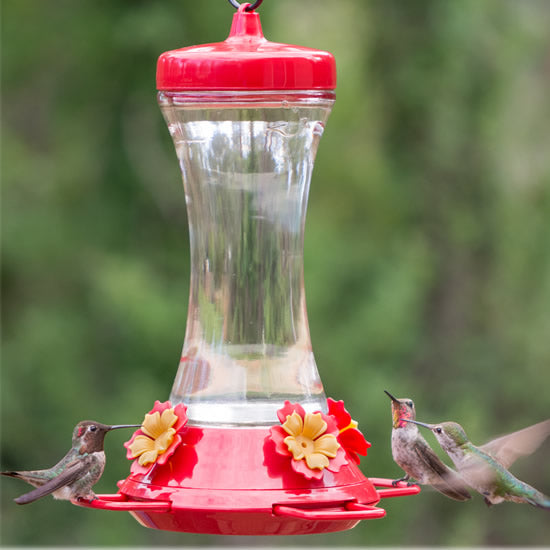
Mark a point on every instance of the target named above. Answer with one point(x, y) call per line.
point(124, 426)
point(391, 396)
point(429, 426)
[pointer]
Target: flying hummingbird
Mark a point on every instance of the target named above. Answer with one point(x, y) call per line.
point(75, 474)
point(485, 468)
point(412, 453)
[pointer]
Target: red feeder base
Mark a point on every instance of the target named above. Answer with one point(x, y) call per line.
point(232, 482)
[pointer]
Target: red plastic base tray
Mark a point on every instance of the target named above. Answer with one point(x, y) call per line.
point(232, 482)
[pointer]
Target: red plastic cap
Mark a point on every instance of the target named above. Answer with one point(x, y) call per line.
point(246, 61)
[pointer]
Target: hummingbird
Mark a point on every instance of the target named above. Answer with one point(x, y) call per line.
point(485, 468)
point(75, 474)
point(413, 454)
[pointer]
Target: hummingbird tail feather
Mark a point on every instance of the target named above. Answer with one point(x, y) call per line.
point(456, 493)
point(32, 477)
point(10, 474)
point(542, 502)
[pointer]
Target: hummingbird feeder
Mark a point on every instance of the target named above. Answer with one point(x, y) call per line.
point(248, 444)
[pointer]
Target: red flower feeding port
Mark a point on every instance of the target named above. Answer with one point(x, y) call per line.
point(248, 443)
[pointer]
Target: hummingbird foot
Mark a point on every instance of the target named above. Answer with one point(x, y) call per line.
point(404, 478)
point(88, 498)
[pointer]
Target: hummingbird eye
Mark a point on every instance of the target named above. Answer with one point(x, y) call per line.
point(438, 430)
point(93, 428)
point(410, 404)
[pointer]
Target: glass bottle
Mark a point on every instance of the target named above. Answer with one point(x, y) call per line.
point(246, 116)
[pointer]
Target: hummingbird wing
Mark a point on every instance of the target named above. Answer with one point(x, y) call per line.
point(442, 478)
point(508, 448)
point(71, 473)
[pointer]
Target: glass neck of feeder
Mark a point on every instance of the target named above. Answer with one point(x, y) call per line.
point(246, 160)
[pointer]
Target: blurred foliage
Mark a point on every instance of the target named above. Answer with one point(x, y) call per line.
point(427, 260)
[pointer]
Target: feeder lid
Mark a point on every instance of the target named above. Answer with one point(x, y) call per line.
point(246, 61)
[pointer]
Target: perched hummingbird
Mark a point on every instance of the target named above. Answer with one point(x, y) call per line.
point(75, 474)
point(412, 453)
point(485, 468)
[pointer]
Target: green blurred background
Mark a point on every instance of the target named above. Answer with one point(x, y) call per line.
point(427, 254)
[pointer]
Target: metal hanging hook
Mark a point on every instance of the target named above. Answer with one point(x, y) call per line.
point(252, 7)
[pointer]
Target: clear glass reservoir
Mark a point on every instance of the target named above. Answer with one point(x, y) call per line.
point(246, 160)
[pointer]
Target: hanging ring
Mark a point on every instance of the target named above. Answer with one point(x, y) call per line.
point(252, 7)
